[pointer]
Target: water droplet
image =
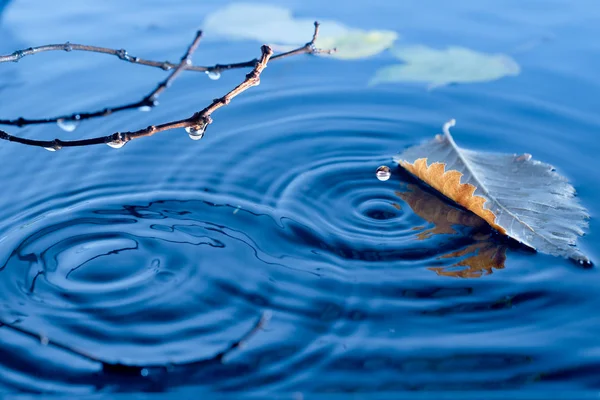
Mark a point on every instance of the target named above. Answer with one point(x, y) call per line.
point(50, 148)
point(18, 55)
point(383, 173)
point(122, 54)
point(67, 125)
point(196, 132)
point(213, 75)
point(237, 209)
point(116, 144)
point(68, 47)
point(145, 108)
point(44, 340)
point(144, 372)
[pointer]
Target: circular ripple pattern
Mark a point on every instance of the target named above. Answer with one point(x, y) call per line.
point(292, 220)
point(289, 221)
point(151, 283)
point(166, 251)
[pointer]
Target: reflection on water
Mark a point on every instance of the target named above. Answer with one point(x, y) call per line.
point(475, 260)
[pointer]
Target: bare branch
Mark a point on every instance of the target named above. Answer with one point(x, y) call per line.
point(122, 54)
point(186, 60)
point(117, 367)
point(147, 101)
point(308, 48)
point(196, 124)
point(150, 99)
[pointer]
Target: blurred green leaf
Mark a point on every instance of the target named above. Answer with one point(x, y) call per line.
point(442, 67)
point(277, 26)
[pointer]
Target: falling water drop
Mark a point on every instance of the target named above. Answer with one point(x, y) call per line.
point(213, 75)
point(144, 372)
point(383, 173)
point(196, 132)
point(67, 125)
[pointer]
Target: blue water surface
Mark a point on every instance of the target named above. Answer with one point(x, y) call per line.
point(166, 251)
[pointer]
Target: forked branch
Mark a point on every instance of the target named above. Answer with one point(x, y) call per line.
point(196, 124)
point(149, 100)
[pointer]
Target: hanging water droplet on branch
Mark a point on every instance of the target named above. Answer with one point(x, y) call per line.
point(116, 144)
point(55, 146)
point(67, 125)
point(213, 75)
point(196, 132)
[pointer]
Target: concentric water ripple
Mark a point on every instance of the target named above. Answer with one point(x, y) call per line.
point(154, 258)
point(301, 227)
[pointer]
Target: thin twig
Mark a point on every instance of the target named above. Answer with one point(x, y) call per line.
point(150, 99)
point(197, 122)
point(117, 367)
point(186, 61)
point(147, 101)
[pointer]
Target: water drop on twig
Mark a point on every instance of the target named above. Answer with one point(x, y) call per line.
point(196, 132)
point(213, 75)
point(116, 144)
point(67, 125)
point(383, 173)
point(145, 108)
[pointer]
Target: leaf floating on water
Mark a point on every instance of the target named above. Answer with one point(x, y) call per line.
point(520, 197)
point(276, 25)
point(477, 259)
point(442, 67)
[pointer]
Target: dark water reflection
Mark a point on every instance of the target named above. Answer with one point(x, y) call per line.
point(164, 253)
point(479, 258)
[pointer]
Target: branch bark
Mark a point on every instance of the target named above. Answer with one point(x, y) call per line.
point(149, 100)
point(196, 124)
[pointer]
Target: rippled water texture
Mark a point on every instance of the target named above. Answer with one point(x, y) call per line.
point(162, 254)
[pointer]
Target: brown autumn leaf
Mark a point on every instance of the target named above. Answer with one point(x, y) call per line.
point(480, 258)
point(522, 198)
